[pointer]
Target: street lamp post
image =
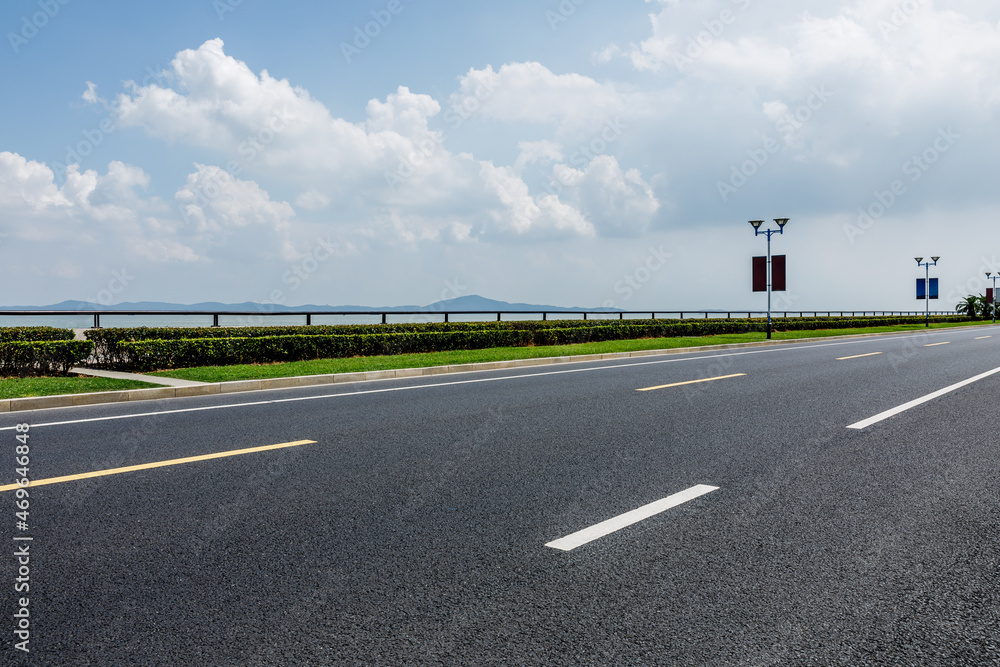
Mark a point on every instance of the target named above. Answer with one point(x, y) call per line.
point(757, 231)
point(927, 285)
point(989, 276)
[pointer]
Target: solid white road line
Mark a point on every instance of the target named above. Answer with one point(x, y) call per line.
point(599, 530)
point(865, 423)
point(858, 356)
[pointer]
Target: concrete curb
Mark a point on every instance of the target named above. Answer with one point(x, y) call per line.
point(209, 389)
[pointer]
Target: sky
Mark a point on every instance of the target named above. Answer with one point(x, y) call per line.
point(560, 152)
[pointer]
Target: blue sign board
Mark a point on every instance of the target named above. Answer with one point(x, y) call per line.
point(922, 290)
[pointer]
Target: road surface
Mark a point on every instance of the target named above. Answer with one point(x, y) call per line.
point(819, 503)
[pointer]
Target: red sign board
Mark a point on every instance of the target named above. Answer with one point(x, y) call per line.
point(760, 274)
point(778, 273)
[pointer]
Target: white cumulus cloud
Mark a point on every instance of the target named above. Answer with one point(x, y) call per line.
point(393, 168)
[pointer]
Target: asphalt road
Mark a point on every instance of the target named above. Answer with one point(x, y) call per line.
point(412, 526)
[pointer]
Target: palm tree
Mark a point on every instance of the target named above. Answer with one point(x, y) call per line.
point(985, 308)
point(969, 306)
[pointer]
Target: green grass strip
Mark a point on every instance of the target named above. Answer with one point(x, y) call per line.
point(361, 364)
point(57, 386)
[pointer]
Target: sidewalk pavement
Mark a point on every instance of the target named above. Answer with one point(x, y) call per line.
point(152, 379)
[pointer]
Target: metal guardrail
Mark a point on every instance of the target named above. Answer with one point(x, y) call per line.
point(385, 315)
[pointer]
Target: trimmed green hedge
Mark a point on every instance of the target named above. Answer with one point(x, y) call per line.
point(43, 350)
point(630, 330)
point(22, 359)
point(147, 355)
point(140, 353)
point(109, 348)
point(27, 351)
point(627, 330)
point(29, 334)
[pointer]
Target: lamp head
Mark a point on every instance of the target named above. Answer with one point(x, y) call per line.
point(990, 273)
point(781, 222)
point(919, 259)
point(756, 224)
point(936, 259)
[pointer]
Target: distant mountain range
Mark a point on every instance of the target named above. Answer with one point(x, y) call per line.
point(462, 303)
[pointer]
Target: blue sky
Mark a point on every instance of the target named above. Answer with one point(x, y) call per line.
point(572, 153)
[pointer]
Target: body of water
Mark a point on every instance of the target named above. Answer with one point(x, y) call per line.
point(172, 320)
point(294, 319)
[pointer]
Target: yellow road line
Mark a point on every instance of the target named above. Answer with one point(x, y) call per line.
point(678, 384)
point(982, 337)
point(935, 344)
point(858, 356)
point(158, 464)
